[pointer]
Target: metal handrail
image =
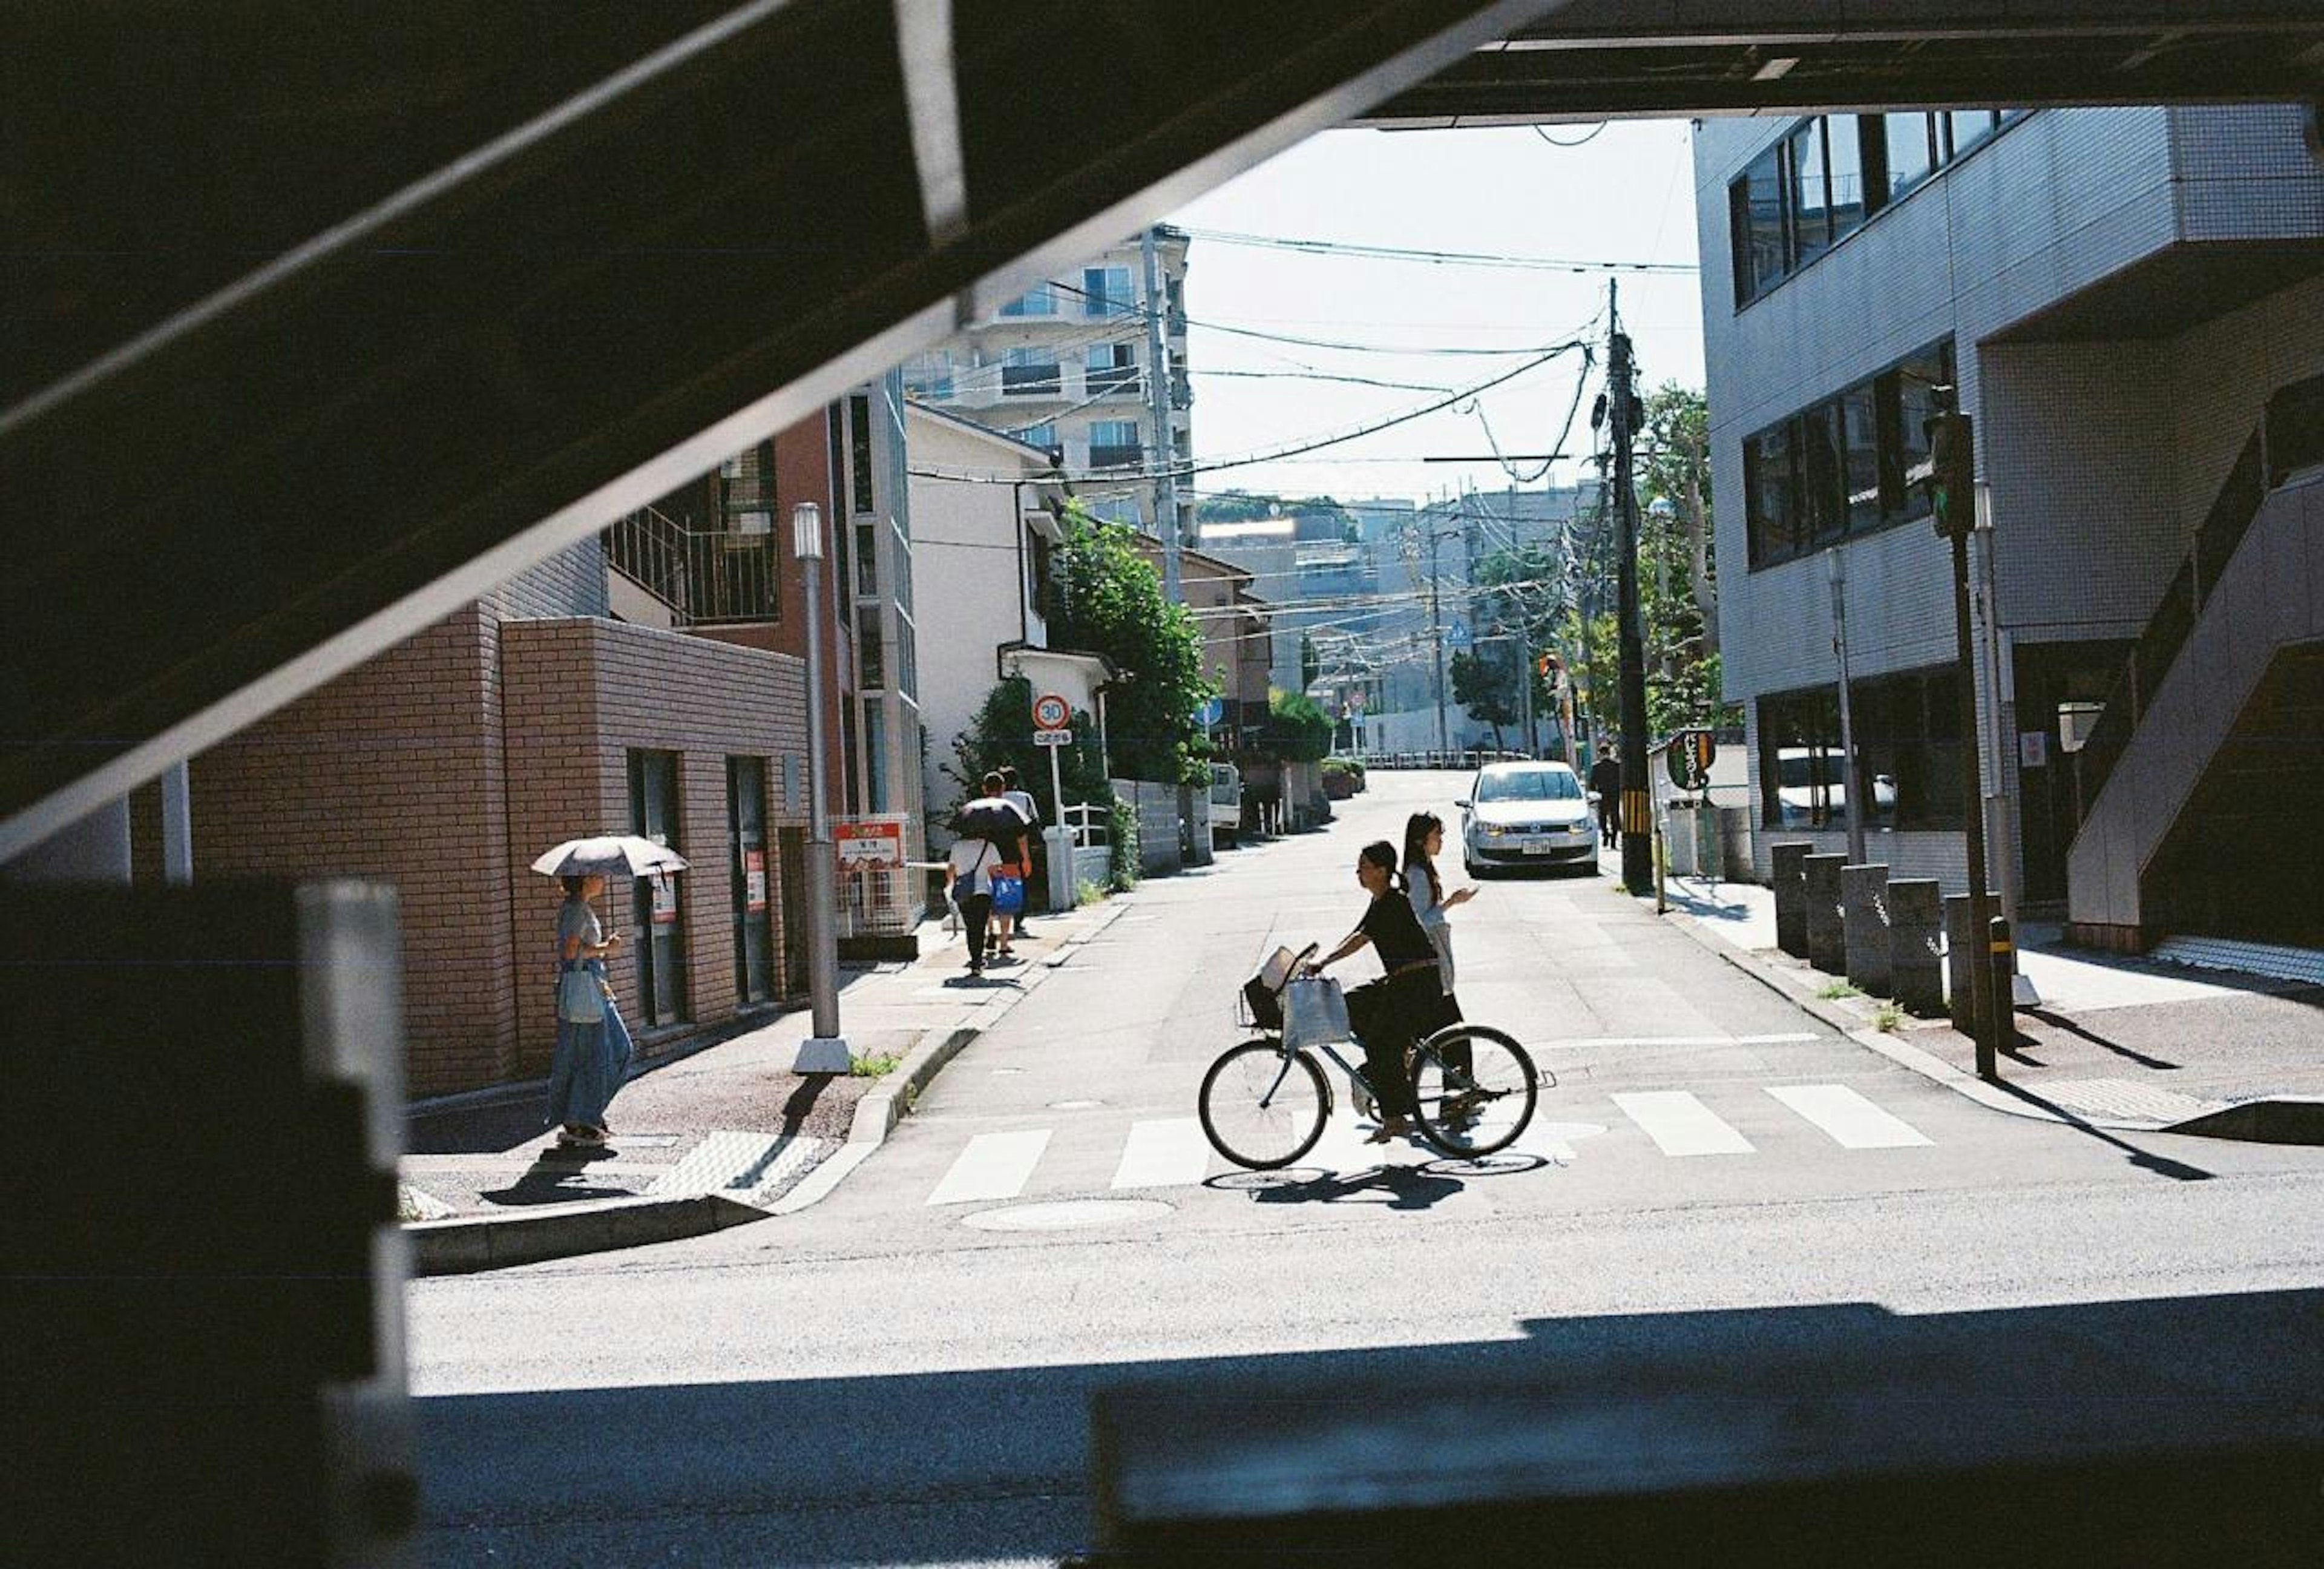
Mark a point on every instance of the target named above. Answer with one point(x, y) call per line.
point(707, 578)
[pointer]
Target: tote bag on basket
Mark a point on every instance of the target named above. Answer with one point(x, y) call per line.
point(1315, 1013)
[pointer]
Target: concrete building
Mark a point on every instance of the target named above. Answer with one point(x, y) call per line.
point(1064, 368)
point(2130, 303)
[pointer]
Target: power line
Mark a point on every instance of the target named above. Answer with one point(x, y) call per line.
point(1357, 250)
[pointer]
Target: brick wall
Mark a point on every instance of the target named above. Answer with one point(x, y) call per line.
point(581, 695)
point(391, 771)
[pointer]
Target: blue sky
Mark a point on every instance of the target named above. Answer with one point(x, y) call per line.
point(1625, 194)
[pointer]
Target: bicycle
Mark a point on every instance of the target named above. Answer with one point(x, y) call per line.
point(1264, 1103)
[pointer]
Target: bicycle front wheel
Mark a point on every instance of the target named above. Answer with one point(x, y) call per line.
point(1262, 1107)
point(1474, 1089)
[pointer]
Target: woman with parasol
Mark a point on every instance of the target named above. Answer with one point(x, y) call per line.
point(592, 1045)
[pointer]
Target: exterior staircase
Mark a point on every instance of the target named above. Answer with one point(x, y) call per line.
point(2208, 739)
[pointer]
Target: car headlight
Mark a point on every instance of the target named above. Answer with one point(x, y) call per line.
point(1494, 830)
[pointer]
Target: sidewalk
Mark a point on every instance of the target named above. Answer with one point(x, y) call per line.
point(716, 1136)
point(2127, 1044)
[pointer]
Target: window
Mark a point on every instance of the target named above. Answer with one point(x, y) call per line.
point(1110, 367)
point(875, 755)
point(867, 560)
point(1756, 203)
point(1848, 465)
point(752, 878)
point(746, 491)
point(870, 652)
point(1038, 300)
point(929, 376)
point(1105, 292)
point(1529, 784)
point(1819, 183)
point(859, 467)
point(1907, 151)
point(1043, 436)
point(1030, 373)
point(1114, 444)
point(1811, 195)
point(1907, 734)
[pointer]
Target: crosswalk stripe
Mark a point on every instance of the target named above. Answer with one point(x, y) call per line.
point(993, 1165)
point(1680, 1124)
point(1853, 1121)
point(1165, 1153)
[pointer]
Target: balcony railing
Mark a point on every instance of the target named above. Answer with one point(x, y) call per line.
point(707, 579)
point(1038, 381)
point(1116, 456)
point(1105, 380)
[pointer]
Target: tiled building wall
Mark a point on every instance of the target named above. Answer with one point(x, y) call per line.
point(393, 772)
point(2102, 457)
point(572, 582)
point(581, 695)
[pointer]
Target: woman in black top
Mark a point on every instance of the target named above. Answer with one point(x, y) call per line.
point(1390, 1013)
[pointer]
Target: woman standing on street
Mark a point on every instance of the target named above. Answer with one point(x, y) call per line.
point(593, 1054)
point(1423, 841)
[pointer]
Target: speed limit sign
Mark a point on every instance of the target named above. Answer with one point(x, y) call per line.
point(1051, 712)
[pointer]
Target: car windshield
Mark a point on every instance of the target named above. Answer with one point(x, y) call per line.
point(1532, 784)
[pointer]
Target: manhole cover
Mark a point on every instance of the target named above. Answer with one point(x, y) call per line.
point(1059, 1217)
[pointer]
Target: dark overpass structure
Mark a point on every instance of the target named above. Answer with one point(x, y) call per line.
point(315, 326)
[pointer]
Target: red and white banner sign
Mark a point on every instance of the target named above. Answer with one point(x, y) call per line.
point(665, 899)
point(869, 843)
point(755, 881)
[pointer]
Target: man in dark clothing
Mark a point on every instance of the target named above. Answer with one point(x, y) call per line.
point(1606, 778)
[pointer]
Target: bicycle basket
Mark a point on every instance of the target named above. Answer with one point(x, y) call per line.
point(1260, 1006)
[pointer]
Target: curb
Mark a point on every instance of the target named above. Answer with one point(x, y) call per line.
point(468, 1243)
point(2265, 1119)
point(465, 1245)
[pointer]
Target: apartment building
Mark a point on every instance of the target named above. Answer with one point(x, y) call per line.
point(1064, 368)
point(2130, 304)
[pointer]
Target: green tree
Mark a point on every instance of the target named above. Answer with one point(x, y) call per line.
point(1001, 734)
point(1483, 685)
point(1106, 598)
point(1297, 728)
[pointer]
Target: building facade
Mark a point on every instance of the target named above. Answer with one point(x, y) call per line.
point(2130, 305)
point(1064, 368)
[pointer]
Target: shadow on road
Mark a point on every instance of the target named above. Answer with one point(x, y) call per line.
point(2145, 1431)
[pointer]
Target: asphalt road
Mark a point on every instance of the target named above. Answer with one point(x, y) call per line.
point(902, 1373)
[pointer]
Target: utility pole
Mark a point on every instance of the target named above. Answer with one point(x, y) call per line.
point(1952, 496)
point(1436, 636)
point(1162, 458)
point(1638, 847)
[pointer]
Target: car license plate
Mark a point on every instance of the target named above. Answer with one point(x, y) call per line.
point(1540, 846)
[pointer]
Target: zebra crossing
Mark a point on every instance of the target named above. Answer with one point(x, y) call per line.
point(1165, 1152)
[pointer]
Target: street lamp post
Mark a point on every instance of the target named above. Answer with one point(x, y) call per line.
point(825, 1051)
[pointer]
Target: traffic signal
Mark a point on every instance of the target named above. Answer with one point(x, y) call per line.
point(1952, 474)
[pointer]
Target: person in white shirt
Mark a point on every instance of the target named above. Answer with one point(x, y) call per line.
point(973, 863)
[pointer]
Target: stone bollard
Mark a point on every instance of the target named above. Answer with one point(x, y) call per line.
point(1864, 925)
point(1915, 960)
point(1827, 939)
point(1790, 880)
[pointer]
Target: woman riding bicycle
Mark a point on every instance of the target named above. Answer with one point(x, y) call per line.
point(1387, 1015)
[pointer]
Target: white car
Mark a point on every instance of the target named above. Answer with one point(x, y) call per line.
point(1527, 814)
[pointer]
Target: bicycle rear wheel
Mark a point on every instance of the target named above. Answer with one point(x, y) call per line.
point(1262, 1107)
point(1474, 1089)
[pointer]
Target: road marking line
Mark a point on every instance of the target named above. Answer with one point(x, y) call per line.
point(1680, 1124)
point(1853, 1121)
point(1597, 1040)
point(993, 1165)
point(1167, 1153)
